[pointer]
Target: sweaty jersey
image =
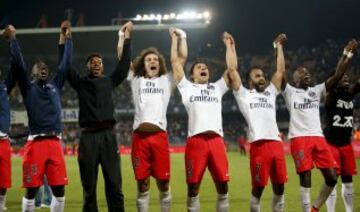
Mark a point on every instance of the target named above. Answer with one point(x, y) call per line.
point(259, 111)
point(339, 117)
point(203, 105)
point(151, 98)
point(304, 109)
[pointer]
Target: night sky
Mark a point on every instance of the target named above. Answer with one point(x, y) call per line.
point(253, 22)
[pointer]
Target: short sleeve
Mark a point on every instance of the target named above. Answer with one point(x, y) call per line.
point(320, 89)
point(273, 89)
point(183, 84)
point(241, 93)
point(130, 75)
point(222, 85)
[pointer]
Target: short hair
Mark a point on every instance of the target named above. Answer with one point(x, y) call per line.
point(197, 61)
point(139, 67)
point(92, 55)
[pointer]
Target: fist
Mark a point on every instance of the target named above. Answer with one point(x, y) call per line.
point(352, 46)
point(9, 32)
point(65, 28)
point(281, 39)
point(172, 31)
point(127, 27)
point(228, 38)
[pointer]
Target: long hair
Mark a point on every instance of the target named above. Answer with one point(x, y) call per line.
point(139, 67)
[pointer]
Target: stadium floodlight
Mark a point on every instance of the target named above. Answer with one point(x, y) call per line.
point(207, 15)
point(166, 17)
point(138, 17)
point(152, 16)
point(172, 15)
point(146, 17)
point(158, 17)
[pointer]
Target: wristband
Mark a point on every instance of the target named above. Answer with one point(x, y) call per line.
point(121, 33)
point(181, 33)
point(275, 44)
point(348, 54)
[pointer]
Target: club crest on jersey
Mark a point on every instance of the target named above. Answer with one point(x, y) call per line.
point(312, 94)
point(210, 87)
point(266, 93)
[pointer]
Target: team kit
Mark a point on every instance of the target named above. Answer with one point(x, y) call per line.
point(151, 86)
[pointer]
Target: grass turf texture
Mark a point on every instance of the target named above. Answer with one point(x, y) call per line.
point(239, 187)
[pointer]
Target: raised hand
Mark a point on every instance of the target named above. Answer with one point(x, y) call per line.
point(351, 46)
point(9, 32)
point(66, 28)
point(228, 39)
point(126, 29)
point(280, 39)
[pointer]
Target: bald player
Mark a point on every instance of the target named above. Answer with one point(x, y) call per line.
point(257, 103)
point(308, 145)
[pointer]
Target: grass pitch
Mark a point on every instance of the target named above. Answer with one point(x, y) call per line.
point(239, 187)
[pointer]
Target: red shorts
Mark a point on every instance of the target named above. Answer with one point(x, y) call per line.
point(44, 156)
point(308, 150)
point(206, 150)
point(345, 158)
point(150, 155)
point(267, 159)
point(5, 164)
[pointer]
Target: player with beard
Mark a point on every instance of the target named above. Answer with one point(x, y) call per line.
point(205, 145)
point(339, 125)
point(257, 103)
point(43, 150)
point(151, 87)
point(308, 145)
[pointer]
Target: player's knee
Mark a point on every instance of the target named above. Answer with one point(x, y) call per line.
point(331, 180)
point(163, 185)
point(346, 178)
point(144, 185)
point(31, 193)
point(222, 187)
point(193, 190)
point(58, 191)
point(305, 179)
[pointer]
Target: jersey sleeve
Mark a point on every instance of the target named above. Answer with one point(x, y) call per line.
point(222, 85)
point(320, 89)
point(182, 86)
point(288, 91)
point(273, 89)
point(130, 75)
point(241, 93)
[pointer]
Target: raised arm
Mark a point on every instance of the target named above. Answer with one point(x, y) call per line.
point(123, 53)
point(65, 54)
point(342, 65)
point(178, 54)
point(231, 75)
point(18, 66)
point(278, 79)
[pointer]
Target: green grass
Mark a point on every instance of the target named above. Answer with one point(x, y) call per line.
point(239, 187)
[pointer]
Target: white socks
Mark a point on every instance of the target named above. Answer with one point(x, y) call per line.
point(323, 195)
point(28, 205)
point(193, 204)
point(2, 202)
point(305, 199)
point(254, 204)
point(142, 202)
point(165, 200)
point(347, 195)
point(278, 203)
point(222, 204)
point(331, 201)
point(57, 204)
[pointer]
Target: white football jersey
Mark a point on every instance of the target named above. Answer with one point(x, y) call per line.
point(203, 105)
point(151, 98)
point(304, 109)
point(259, 111)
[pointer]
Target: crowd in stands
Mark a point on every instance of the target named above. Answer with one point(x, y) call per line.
point(320, 60)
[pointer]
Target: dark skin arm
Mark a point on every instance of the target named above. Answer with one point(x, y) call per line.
point(342, 66)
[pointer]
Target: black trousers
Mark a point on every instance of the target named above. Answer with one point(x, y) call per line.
point(96, 148)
